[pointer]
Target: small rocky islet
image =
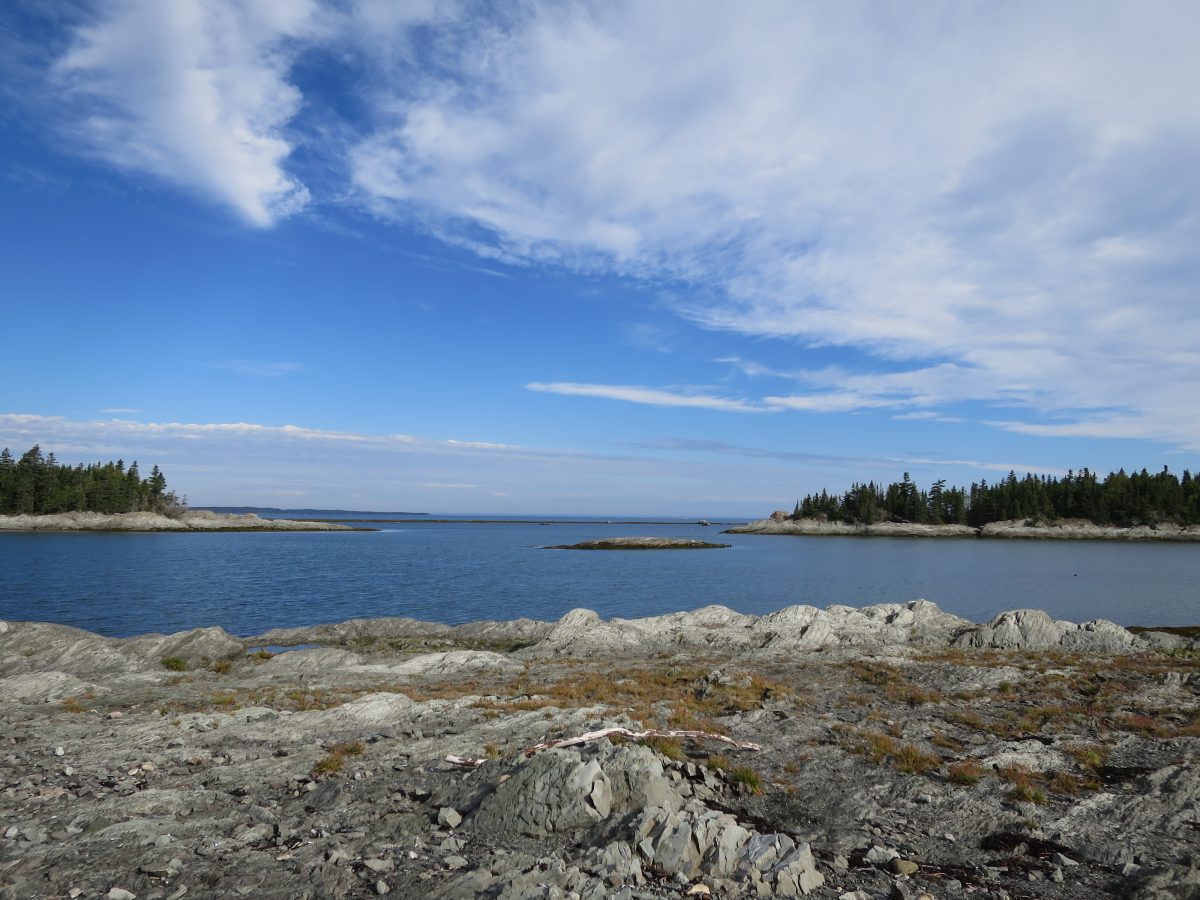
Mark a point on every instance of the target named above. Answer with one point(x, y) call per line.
point(900, 751)
point(641, 543)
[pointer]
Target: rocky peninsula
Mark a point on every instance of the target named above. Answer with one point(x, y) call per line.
point(640, 543)
point(1065, 529)
point(894, 751)
point(188, 520)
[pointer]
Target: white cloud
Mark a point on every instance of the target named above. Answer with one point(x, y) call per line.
point(243, 463)
point(1000, 201)
point(1005, 196)
point(197, 93)
point(649, 396)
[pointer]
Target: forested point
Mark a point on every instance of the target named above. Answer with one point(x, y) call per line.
point(38, 484)
point(1118, 499)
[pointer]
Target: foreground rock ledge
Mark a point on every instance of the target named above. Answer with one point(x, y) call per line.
point(904, 750)
point(640, 543)
point(192, 520)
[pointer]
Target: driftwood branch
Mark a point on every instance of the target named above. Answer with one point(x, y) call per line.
point(623, 732)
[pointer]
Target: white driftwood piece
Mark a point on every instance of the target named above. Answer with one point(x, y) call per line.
point(623, 732)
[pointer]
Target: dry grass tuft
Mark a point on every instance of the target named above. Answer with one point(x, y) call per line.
point(334, 760)
point(748, 777)
point(966, 772)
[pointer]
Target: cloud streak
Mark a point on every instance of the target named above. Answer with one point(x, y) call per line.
point(195, 92)
point(1009, 189)
point(995, 204)
point(647, 396)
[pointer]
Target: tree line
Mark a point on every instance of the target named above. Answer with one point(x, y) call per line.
point(1117, 499)
point(38, 483)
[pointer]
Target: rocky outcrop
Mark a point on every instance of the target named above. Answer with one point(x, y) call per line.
point(1067, 529)
point(1032, 629)
point(718, 629)
point(864, 760)
point(1083, 530)
point(640, 543)
point(787, 525)
point(190, 520)
point(45, 647)
point(633, 819)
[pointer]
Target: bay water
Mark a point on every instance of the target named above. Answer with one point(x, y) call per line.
point(459, 571)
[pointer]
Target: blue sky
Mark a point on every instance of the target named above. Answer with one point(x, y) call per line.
point(572, 257)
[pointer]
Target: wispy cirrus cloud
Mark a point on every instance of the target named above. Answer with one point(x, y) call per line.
point(248, 463)
point(648, 396)
point(889, 464)
point(195, 92)
point(1001, 189)
point(999, 204)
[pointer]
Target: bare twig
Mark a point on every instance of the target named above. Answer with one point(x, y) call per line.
point(623, 732)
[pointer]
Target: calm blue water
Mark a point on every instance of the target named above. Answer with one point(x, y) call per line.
point(123, 584)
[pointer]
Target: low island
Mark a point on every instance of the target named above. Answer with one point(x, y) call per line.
point(38, 493)
point(640, 543)
point(1119, 507)
point(178, 520)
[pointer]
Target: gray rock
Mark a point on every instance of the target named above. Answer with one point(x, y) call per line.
point(879, 856)
point(449, 817)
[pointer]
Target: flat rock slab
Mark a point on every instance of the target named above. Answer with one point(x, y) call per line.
point(640, 543)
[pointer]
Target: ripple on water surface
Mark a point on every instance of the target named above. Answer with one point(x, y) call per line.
point(122, 584)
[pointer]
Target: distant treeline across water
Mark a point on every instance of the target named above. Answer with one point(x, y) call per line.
point(1117, 499)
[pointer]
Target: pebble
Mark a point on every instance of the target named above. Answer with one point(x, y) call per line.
point(449, 817)
point(115, 714)
point(59, 751)
point(877, 856)
point(1059, 859)
point(12, 831)
point(454, 862)
point(904, 866)
point(67, 770)
point(382, 887)
point(378, 866)
point(119, 893)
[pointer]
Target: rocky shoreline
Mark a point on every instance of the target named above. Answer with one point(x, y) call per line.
point(640, 543)
point(1069, 530)
point(189, 520)
point(894, 751)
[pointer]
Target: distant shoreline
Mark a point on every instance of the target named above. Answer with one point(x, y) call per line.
point(145, 523)
point(1065, 530)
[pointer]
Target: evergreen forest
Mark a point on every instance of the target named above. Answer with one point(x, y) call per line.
point(1118, 499)
point(37, 484)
